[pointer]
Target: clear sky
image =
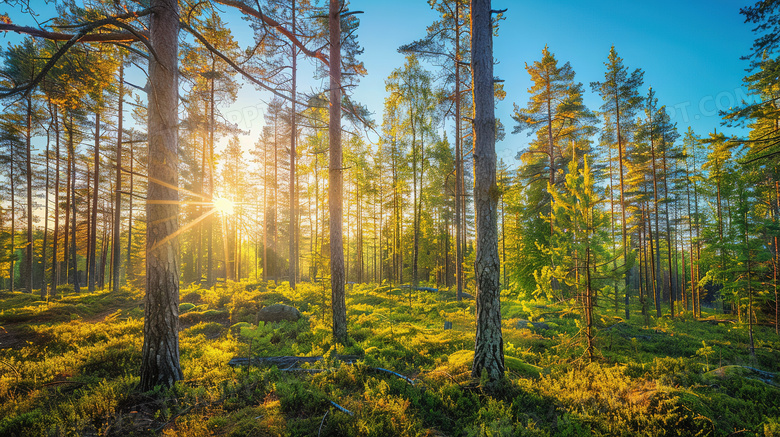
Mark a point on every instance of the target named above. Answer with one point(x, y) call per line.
point(688, 49)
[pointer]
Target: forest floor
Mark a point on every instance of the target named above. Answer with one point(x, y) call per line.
point(70, 367)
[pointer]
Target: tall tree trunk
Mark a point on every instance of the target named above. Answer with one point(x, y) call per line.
point(624, 223)
point(211, 279)
point(130, 213)
point(12, 271)
point(28, 276)
point(489, 345)
point(55, 264)
point(748, 260)
point(415, 208)
point(776, 262)
point(458, 162)
point(293, 139)
point(68, 200)
point(91, 268)
point(657, 262)
point(672, 288)
point(118, 181)
point(74, 265)
point(44, 285)
point(335, 173)
point(266, 212)
point(160, 355)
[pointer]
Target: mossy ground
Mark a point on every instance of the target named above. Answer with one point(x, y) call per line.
point(70, 367)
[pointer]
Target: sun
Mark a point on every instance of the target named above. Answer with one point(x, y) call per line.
point(223, 205)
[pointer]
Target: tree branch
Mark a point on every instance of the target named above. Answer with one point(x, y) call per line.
point(278, 27)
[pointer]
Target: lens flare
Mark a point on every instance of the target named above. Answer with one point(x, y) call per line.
point(224, 206)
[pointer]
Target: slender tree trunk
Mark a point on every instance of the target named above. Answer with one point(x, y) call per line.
point(656, 287)
point(748, 260)
point(657, 261)
point(160, 355)
point(55, 264)
point(624, 222)
point(589, 305)
point(293, 140)
point(12, 272)
point(28, 279)
point(118, 181)
point(489, 345)
point(44, 285)
point(130, 212)
point(335, 172)
point(91, 268)
point(266, 212)
point(776, 263)
point(74, 265)
point(672, 288)
point(458, 162)
point(68, 200)
point(211, 279)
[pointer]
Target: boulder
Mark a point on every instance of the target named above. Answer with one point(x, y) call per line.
point(277, 313)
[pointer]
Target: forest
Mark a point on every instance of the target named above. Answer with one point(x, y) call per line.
point(374, 271)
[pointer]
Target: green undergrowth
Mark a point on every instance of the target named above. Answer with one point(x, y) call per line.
point(69, 366)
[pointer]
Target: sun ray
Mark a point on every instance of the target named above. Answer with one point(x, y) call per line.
point(183, 228)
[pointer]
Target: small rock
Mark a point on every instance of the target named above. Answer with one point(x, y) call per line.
point(465, 295)
point(522, 324)
point(277, 313)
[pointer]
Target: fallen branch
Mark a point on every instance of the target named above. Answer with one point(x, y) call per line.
point(340, 408)
point(379, 369)
point(322, 422)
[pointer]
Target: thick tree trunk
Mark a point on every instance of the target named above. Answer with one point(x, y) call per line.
point(160, 359)
point(335, 172)
point(489, 345)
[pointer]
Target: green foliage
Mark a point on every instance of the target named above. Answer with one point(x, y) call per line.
point(78, 377)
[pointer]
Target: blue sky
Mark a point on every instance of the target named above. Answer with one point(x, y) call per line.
point(688, 49)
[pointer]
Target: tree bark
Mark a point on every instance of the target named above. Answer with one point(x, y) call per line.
point(489, 345)
point(160, 359)
point(335, 173)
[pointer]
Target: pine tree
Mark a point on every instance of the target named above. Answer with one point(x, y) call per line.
point(619, 91)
